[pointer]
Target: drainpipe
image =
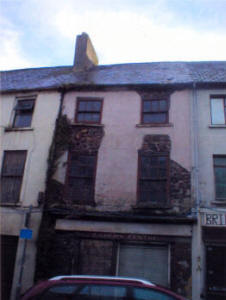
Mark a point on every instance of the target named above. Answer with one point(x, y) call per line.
point(23, 257)
point(195, 151)
point(196, 236)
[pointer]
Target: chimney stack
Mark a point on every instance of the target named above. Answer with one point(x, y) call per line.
point(85, 55)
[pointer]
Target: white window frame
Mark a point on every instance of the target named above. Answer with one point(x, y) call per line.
point(217, 109)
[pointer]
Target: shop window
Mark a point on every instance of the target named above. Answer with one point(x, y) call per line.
point(155, 111)
point(88, 110)
point(153, 178)
point(220, 177)
point(23, 113)
point(12, 175)
point(218, 110)
point(81, 178)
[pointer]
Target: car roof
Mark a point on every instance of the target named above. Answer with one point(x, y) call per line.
point(107, 278)
point(91, 279)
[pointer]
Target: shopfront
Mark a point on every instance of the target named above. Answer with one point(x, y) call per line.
point(214, 238)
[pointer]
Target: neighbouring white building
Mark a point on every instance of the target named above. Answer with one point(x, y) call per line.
point(210, 106)
point(27, 122)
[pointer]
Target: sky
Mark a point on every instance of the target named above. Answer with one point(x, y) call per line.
point(42, 33)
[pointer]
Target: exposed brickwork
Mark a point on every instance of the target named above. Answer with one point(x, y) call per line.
point(96, 257)
point(180, 188)
point(156, 143)
point(86, 139)
point(81, 139)
point(179, 178)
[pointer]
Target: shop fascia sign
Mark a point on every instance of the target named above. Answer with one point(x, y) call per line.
point(214, 219)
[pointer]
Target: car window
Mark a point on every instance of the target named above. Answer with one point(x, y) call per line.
point(102, 292)
point(60, 292)
point(150, 294)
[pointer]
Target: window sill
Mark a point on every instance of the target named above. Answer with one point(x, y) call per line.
point(154, 125)
point(9, 129)
point(16, 204)
point(152, 206)
point(217, 126)
point(87, 124)
point(219, 202)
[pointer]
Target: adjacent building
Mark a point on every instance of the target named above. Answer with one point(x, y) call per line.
point(123, 165)
point(26, 129)
point(211, 162)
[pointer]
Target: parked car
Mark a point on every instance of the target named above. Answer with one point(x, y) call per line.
point(75, 287)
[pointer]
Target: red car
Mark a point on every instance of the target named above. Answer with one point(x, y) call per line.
point(76, 287)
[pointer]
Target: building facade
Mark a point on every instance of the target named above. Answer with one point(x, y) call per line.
point(27, 125)
point(211, 107)
point(123, 165)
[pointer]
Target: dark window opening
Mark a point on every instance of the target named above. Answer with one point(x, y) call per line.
point(216, 272)
point(88, 110)
point(8, 251)
point(81, 178)
point(12, 175)
point(23, 113)
point(153, 178)
point(155, 111)
point(220, 177)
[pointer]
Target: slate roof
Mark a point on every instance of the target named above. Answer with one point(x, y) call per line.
point(155, 73)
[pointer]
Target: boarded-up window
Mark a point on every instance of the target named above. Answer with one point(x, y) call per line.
point(81, 178)
point(12, 175)
point(154, 177)
point(220, 177)
point(23, 113)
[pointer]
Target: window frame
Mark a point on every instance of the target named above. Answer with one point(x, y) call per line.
point(19, 176)
point(167, 180)
point(88, 99)
point(219, 200)
point(223, 97)
point(151, 99)
point(21, 111)
point(88, 201)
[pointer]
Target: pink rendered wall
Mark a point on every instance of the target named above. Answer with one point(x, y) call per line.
point(116, 177)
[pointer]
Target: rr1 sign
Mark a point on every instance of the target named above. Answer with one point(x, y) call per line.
point(218, 219)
